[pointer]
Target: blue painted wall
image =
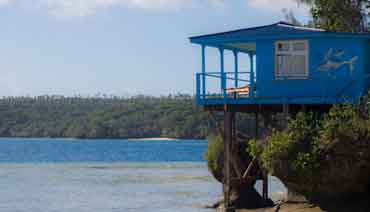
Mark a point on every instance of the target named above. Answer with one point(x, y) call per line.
point(367, 65)
point(339, 84)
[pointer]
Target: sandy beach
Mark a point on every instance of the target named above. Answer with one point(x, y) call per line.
point(153, 139)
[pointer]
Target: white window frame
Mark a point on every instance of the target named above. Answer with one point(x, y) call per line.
point(291, 51)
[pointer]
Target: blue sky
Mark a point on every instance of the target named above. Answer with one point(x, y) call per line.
point(119, 47)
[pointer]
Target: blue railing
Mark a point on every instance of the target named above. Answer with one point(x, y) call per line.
point(212, 88)
point(212, 85)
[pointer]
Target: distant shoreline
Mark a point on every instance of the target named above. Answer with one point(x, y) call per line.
point(144, 117)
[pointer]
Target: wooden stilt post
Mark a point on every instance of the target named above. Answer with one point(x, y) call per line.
point(235, 132)
point(256, 126)
point(234, 147)
point(228, 136)
point(265, 186)
point(304, 108)
point(286, 115)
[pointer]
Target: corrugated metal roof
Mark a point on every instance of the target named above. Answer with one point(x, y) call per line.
point(279, 29)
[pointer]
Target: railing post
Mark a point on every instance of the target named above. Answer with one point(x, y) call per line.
point(198, 87)
point(236, 62)
point(223, 77)
point(251, 76)
point(203, 71)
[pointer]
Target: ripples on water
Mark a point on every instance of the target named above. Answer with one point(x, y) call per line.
point(45, 175)
point(118, 187)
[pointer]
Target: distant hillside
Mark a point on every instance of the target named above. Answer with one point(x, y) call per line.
point(113, 117)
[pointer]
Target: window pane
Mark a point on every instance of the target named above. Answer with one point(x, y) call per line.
point(289, 65)
point(301, 46)
point(283, 65)
point(298, 65)
point(291, 59)
point(283, 46)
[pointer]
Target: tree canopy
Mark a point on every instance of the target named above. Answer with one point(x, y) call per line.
point(136, 117)
point(340, 15)
point(175, 116)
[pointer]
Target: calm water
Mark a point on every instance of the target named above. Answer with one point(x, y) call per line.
point(72, 150)
point(61, 175)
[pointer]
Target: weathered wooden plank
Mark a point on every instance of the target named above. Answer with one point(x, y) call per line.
point(249, 169)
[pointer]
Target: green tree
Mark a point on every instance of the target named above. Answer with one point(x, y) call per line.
point(340, 15)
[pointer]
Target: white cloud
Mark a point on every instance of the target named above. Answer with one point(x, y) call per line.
point(5, 2)
point(157, 4)
point(77, 7)
point(277, 5)
point(80, 8)
point(90, 7)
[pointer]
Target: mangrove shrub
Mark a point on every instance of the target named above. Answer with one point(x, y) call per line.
point(323, 157)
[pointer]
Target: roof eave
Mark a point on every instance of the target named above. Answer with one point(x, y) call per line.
point(215, 40)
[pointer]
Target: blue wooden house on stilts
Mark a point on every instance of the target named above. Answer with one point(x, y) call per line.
point(292, 68)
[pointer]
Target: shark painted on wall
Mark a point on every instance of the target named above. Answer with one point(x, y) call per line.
point(333, 60)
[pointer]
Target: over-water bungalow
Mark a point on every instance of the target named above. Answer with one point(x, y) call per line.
point(291, 68)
